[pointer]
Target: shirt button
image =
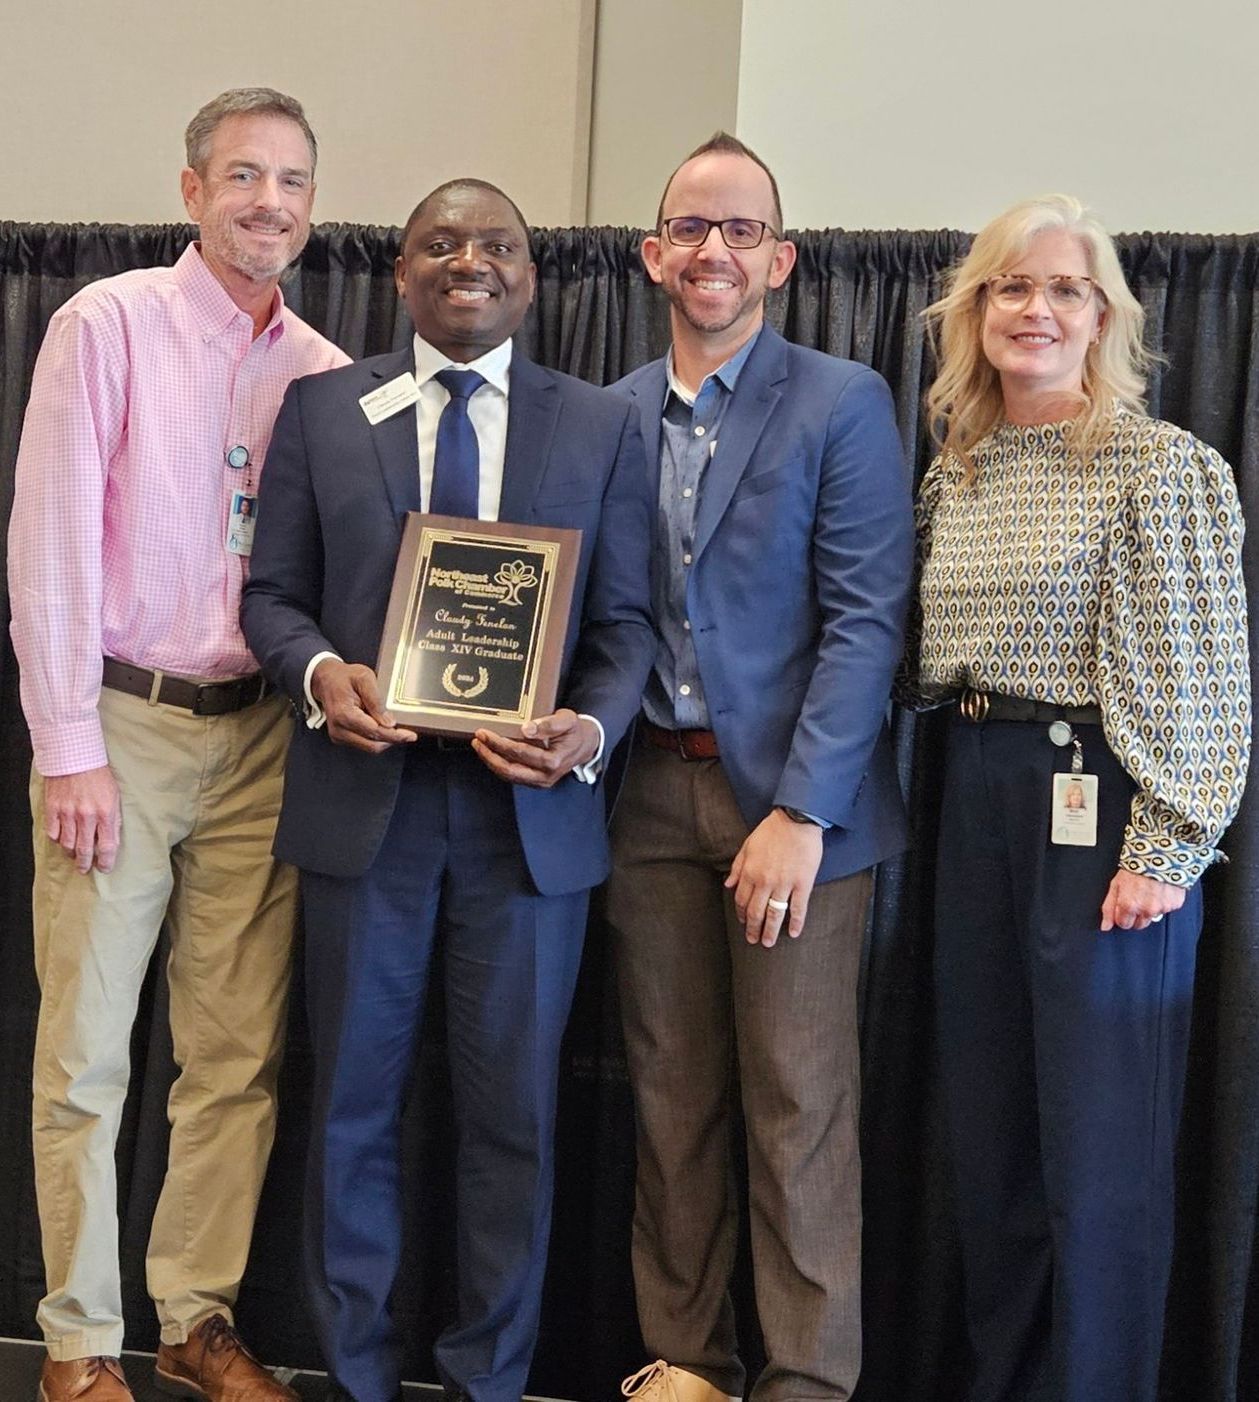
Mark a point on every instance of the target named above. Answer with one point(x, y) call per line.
point(684, 690)
point(686, 559)
point(700, 430)
point(686, 625)
point(687, 492)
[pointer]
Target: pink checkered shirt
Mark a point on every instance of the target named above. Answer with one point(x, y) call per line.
point(117, 540)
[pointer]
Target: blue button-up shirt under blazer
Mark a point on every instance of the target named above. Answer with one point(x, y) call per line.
point(689, 428)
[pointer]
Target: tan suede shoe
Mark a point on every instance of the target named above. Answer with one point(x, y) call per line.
point(662, 1382)
point(215, 1366)
point(83, 1380)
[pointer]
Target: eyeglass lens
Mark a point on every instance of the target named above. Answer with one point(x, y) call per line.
point(689, 231)
point(1062, 293)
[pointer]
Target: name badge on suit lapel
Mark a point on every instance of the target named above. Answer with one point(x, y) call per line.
point(393, 437)
point(400, 393)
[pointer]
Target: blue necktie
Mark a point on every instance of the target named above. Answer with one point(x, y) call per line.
point(457, 460)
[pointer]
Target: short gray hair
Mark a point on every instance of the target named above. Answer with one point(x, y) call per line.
point(242, 102)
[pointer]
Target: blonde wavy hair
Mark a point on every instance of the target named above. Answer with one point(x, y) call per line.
point(965, 402)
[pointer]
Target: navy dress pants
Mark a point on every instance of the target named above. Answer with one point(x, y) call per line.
point(1064, 1060)
point(450, 869)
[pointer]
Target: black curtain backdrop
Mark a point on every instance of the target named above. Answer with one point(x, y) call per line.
point(853, 294)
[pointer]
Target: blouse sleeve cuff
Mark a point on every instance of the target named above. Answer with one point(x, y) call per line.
point(1164, 858)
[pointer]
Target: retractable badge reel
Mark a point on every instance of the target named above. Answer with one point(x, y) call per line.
point(242, 517)
point(1073, 802)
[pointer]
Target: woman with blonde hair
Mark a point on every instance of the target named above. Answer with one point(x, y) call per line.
point(1081, 601)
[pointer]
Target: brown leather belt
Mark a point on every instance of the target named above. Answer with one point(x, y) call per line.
point(690, 744)
point(978, 706)
point(201, 698)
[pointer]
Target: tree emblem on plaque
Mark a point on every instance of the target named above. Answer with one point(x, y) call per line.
point(515, 576)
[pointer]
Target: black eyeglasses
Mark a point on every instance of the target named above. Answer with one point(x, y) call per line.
point(690, 231)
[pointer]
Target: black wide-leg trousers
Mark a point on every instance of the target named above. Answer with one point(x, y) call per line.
point(1064, 1059)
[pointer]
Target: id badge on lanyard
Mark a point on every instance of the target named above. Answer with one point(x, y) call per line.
point(1073, 802)
point(243, 515)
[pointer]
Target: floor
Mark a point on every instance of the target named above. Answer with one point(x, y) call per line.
point(21, 1360)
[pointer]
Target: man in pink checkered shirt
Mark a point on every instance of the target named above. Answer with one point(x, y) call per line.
point(158, 753)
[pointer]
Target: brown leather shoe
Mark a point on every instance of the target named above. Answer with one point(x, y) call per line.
point(215, 1366)
point(83, 1380)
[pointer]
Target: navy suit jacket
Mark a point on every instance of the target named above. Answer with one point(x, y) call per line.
point(797, 590)
point(333, 500)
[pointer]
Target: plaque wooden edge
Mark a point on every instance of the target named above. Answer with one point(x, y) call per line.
point(554, 635)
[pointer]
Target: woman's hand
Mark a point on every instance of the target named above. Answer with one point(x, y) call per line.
point(1134, 901)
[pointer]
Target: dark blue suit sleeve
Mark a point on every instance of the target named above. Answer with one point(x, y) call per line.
point(283, 594)
point(617, 644)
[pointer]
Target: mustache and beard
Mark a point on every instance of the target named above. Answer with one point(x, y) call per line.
point(231, 243)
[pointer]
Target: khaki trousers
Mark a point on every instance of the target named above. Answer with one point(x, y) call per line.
point(200, 796)
point(709, 1018)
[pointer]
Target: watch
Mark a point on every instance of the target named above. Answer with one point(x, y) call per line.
point(797, 816)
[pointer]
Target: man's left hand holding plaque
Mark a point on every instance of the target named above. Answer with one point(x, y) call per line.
point(552, 747)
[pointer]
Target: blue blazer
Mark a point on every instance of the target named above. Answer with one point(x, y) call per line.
point(798, 588)
point(333, 499)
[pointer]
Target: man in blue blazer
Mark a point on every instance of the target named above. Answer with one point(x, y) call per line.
point(759, 795)
point(489, 847)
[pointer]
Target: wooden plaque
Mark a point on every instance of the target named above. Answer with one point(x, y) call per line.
point(477, 619)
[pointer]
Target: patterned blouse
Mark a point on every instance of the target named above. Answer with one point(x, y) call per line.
point(1117, 582)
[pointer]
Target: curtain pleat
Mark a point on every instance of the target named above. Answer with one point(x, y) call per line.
point(858, 294)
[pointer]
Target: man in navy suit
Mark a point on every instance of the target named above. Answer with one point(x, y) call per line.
point(760, 793)
point(489, 847)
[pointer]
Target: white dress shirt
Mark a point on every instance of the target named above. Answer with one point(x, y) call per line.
point(487, 412)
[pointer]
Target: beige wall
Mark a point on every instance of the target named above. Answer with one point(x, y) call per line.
point(875, 113)
point(666, 77)
point(918, 114)
point(402, 93)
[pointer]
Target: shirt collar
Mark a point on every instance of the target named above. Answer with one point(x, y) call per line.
point(726, 374)
point(209, 300)
point(494, 366)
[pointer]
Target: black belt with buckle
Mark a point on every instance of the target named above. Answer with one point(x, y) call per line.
point(425, 739)
point(201, 698)
point(979, 706)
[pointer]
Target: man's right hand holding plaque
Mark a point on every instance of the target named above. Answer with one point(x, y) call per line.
point(350, 699)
